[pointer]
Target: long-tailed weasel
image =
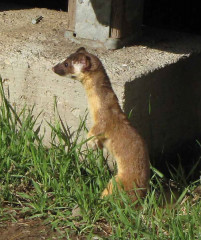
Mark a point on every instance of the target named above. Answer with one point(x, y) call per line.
point(111, 127)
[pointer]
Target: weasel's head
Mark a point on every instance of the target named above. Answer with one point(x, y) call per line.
point(78, 64)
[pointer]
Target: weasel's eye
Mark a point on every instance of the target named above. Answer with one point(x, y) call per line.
point(66, 64)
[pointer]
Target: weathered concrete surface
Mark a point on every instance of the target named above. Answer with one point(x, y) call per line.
point(93, 23)
point(87, 26)
point(153, 71)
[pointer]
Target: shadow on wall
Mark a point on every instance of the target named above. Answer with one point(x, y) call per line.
point(126, 14)
point(167, 108)
point(99, 8)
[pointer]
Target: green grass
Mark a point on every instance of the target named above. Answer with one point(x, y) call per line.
point(47, 183)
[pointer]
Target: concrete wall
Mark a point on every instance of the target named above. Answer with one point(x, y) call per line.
point(165, 103)
point(38, 85)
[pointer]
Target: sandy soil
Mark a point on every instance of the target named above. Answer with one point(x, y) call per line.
point(18, 36)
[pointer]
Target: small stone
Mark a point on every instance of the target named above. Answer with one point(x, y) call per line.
point(76, 211)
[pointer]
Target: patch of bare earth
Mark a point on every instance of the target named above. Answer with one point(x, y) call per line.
point(27, 230)
point(15, 226)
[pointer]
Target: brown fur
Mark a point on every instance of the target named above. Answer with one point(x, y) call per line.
point(111, 127)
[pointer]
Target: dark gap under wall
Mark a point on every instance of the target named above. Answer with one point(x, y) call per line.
point(182, 16)
point(26, 4)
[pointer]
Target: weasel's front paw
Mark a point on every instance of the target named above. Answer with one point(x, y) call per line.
point(107, 191)
point(93, 143)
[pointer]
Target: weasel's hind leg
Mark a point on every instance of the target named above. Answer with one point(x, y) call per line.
point(109, 189)
point(127, 185)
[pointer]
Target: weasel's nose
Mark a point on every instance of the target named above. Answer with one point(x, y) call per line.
point(53, 69)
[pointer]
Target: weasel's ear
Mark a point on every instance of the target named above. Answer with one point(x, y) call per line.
point(81, 50)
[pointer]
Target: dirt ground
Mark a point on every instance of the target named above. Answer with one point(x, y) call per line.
point(19, 37)
point(19, 228)
point(27, 230)
point(36, 230)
